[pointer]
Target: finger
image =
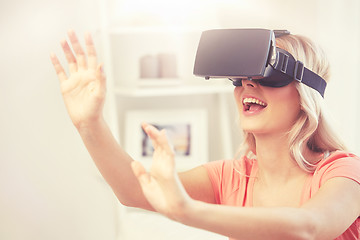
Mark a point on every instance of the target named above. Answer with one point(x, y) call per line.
point(164, 158)
point(147, 127)
point(90, 49)
point(158, 138)
point(163, 141)
point(58, 68)
point(100, 75)
point(80, 54)
point(69, 56)
point(152, 132)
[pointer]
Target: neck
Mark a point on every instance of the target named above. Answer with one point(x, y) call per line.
point(274, 159)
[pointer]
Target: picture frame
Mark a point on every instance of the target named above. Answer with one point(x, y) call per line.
point(187, 131)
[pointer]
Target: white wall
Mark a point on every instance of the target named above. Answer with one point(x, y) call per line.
point(49, 188)
point(339, 33)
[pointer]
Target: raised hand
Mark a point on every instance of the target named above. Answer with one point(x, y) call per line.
point(162, 186)
point(84, 88)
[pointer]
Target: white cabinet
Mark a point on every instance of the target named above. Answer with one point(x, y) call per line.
point(130, 89)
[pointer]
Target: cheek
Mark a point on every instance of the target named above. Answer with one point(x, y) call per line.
point(237, 95)
point(237, 92)
point(286, 93)
point(288, 103)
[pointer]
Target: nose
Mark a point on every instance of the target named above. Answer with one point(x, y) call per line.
point(249, 83)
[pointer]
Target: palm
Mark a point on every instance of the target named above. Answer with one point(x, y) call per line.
point(161, 186)
point(84, 89)
point(83, 96)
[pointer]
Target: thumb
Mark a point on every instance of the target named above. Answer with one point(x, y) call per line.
point(140, 172)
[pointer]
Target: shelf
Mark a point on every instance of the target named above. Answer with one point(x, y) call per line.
point(179, 90)
point(159, 82)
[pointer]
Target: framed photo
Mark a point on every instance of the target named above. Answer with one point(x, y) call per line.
point(187, 131)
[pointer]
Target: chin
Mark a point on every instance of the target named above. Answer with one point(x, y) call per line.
point(252, 125)
point(254, 130)
point(259, 128)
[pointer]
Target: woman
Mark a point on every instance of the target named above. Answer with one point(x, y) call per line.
point(299, 184)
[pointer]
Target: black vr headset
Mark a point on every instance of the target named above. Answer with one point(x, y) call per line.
point(251, 54)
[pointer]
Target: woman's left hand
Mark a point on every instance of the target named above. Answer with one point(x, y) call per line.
point(162, 186)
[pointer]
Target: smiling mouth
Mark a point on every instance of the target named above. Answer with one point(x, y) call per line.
point(253, 104)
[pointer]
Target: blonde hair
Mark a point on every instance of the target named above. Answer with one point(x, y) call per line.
point(311, 131)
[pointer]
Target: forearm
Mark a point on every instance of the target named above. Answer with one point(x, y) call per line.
point(249, 223)
point(113, 163)
point(83, 91)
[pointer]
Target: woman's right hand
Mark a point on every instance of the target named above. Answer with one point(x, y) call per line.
point(84, 89)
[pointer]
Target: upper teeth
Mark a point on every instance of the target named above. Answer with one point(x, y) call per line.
point(253, 100)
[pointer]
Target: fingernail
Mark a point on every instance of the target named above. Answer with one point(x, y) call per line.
point(63, 42)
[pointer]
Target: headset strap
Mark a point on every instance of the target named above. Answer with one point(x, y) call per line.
point(295, 69)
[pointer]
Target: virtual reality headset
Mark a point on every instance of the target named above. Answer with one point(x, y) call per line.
point(251, 54)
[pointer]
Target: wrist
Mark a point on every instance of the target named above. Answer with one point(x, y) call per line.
point(186, 215)
point(92, 125)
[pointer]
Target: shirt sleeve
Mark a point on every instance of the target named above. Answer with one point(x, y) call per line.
point(215, 171)
point(229, 180)
point(339, 164)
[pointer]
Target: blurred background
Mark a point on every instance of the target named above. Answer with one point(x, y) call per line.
point(49, 187)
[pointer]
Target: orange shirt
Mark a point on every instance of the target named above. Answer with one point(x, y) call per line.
point(233, 181)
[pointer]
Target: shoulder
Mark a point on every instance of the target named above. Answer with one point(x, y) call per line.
point(339, 159)
point(339, 155)
point(226, 174)
point(229, 179)
point(338, 164)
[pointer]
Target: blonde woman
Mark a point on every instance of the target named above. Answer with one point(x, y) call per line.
point(293, 180)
